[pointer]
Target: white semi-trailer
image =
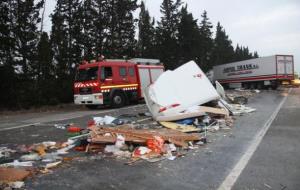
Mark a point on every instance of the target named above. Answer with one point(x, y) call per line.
point(256, 73)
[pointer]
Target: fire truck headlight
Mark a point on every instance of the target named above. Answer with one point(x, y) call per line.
point(98, 96)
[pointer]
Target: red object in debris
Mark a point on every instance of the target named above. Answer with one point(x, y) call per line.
point(80, 148)
point(156, 144)
point(140, 151)
point(74, 129)
point(91, 123)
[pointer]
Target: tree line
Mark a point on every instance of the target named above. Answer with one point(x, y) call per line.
point(38, 68)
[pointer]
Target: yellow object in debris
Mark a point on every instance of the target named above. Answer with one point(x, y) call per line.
point(296, 82)
point(179, 127)
point(40, 149)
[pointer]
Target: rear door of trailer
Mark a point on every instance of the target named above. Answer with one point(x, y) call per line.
point(147, 75)
point(285, 66)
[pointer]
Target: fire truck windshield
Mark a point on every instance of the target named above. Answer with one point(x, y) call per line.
point(86, 74)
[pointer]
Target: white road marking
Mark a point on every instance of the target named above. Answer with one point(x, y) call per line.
point(101, 112)
point(67, 118)
point(20, 126)
point(241, 164)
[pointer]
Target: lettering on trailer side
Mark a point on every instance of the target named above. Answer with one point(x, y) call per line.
point(240, 69)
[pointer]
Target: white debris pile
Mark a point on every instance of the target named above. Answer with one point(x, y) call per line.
point(178, 94)
point(175, 92)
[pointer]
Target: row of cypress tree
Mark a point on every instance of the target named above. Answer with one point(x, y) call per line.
point(38, 68)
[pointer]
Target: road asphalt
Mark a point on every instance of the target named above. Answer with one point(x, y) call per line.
point(274, 164)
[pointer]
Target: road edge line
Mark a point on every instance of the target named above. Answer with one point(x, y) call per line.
point(234, 174)
point(19, 126)
point(100, 112)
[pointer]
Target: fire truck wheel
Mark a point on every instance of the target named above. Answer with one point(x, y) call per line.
point(118, 100)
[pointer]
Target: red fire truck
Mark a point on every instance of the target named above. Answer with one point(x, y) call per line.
point(113, 82)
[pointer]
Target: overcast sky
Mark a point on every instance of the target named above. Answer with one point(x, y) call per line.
point(268, 26)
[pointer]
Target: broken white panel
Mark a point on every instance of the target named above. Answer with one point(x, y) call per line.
point(220, 89)
point(189, 113)
point(176, 91)
point(106, 120)
point(236, 109)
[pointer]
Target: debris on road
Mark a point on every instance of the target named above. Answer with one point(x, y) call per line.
point(109, 135)
point(179, 127)
point(13, 174)
point(168, 99)
point(184, 112)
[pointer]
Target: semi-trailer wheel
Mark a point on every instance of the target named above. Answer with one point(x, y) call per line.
point(118, 100)
point(274, 87)
point(260, 85)
point(253, 86)
point(246, 85)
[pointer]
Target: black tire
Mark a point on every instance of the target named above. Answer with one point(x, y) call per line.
point(92, 107)
point(260, 85)
point(246, 85)
point(274, 87)
point(118, 100)
point(253, 86)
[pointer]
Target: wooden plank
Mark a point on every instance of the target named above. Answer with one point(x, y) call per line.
point(179, 127)
point(179, 143)
point(218, 111)
point(180, 116)
point(139, 135)
point(200, 111)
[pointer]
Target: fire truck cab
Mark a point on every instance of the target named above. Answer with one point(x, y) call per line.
point(112, 82)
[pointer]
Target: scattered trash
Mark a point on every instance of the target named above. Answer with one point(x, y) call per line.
point(13, 174)
point(240, 100)
point(51, 157)
point(188, 121)
point(106, 120)
point(214, 128)
point(139, 151)
point(40, 149)
point(179, 127)
point(156, 144)
point(108, 135)
point(120, 142)
point(16, 163)
point(236, 109)
point(5, 154)
point(111, 148)
point(52, 165)
point(74, 129)
point(61, 126)
point(30, 157)
point(16, 184)
point(182, 123)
